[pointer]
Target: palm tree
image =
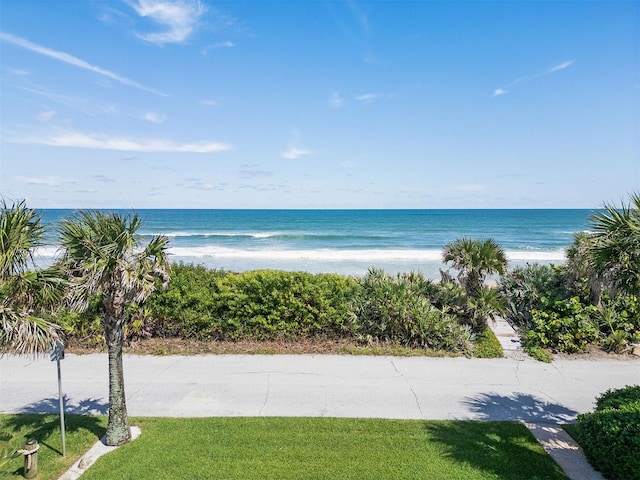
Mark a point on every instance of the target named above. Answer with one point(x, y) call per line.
point(103, 255)
point(582, 278)
point(25, 292)
point(475, 259)
point(615, 246)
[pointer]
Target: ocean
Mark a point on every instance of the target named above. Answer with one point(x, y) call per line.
point(348, 242)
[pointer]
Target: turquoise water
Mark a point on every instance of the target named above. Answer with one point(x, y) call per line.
point(349, 241)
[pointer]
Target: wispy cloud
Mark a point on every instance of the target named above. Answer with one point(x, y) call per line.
point(155, 117)
point(211, 102)
point(100, 141)
point(102, 178)
point(46, 116)
point(368, 98)
point(469, 187)
point(561, 66)
point(19, 71)
point(71, 60)
point(293, 153)
point(247, 174)
point(179, 18)
point(335, 100)
point(46, 181)
point(217, 45)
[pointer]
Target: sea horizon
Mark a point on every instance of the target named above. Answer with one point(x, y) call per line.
point(345, 241)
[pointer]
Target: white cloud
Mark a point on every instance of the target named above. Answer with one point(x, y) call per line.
point(292, 153)
point(560, 66)
point(178, 18)
point(368, 97)
point(106, 142)
point(46, 116)
point(246, 174)
point(469, 187)
point(71, 60)
point(47, 181)
point(211, 102)
point(19, 71)
point(155, 117)
point(102, 178)
point(217, 45)
point(335, 100)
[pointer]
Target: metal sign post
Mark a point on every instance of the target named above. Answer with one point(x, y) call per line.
point(56, 354)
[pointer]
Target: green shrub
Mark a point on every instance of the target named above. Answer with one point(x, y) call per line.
point(540, 354)
point(187, 308)
point(270, 304)
point(610, 436)
point(523, 289)
point(486, 345)
point(262, 305)
point(396, 309)
point(81, 328)
point(619, 322)
point(564, 325)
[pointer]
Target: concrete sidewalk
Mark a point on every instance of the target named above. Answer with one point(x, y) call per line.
point(538, 394)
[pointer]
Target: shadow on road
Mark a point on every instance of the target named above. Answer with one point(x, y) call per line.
point(518, 406)
point(87, 406)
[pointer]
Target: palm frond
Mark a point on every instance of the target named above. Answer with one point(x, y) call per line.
point(25, 334)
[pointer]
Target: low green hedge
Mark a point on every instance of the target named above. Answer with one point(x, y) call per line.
point(610, 435)
point(260, 305)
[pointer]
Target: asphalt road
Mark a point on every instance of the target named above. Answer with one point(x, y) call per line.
point(319, 385)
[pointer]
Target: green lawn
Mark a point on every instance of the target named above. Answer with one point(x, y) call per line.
point(316, 448)
point(82, 431)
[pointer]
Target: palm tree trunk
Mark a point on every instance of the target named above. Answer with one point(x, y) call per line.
point(118, 429)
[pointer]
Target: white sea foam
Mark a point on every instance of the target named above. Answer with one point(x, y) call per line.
point(46, 251)
point(536, 256)
point(372, 255)
point(217, 234)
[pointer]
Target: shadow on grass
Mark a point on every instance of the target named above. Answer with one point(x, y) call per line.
point(500, 444)
point(504, 450)
point(37, 422)
point(518, 407)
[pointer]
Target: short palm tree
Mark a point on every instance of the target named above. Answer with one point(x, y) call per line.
point(25, 292)
point(103, 255)
point(475, 259)
point(615, 245)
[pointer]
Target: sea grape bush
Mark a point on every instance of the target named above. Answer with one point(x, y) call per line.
point(610, 435)
point(268, 304)
point(564, 325)
point(188, 307)
point(553, 313)
point(261, 305)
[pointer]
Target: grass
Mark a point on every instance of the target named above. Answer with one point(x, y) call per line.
point(81, 432)
point(487, 345)
point(296, 448)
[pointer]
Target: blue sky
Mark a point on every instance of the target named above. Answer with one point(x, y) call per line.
point(317, 104)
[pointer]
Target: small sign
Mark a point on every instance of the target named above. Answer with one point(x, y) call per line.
point(57, 351)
